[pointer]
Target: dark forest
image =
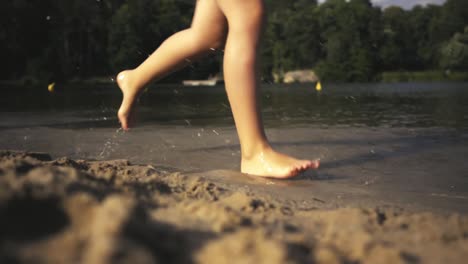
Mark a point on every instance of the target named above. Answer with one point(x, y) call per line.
point(341, 40)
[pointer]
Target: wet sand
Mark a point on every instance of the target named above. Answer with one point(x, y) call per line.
point(80, 211)
point(419, 169)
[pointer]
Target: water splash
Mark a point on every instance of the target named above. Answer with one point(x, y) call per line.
point(189, 63)
point(111, 144)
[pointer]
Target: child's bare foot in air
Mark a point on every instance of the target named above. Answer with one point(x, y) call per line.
point(272, 164)
point(130, 95)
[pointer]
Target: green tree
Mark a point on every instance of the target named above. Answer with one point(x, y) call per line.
point(351, 35)
point(292, 36)
point(343, 40)
point(420, 20)
point(398, 50)
point(454, 53)
point(23, 38)
point(452, 18)
point(78, 37)
point(139, 26)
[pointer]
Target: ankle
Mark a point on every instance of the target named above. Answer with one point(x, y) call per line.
point(251, 152)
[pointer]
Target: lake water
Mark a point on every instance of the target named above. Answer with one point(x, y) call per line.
point(398, 144)
point(371, 105)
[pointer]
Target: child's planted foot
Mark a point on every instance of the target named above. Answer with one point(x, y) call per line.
point(272, 164)
point(130, 95)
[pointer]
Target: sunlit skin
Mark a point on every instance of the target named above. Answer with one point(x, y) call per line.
point(236, 25)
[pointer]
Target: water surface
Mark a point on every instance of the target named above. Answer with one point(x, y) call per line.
point(371, 105)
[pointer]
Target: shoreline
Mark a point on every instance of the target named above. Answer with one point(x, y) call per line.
point(65, 210)
point(383, 77)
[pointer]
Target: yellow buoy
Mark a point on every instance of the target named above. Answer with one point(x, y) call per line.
point(51, 87)
point(318, 87)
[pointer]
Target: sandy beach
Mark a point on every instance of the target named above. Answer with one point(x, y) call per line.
point(80, 211)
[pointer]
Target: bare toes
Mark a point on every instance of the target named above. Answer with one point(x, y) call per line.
point(298, 168)
point(303, 165)
point(315, 164)
point(307, 165)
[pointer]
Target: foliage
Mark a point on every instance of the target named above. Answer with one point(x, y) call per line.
point(454, 54)
point(342, 40)
point(287, 45)
point(350, 33)
point(421, 76)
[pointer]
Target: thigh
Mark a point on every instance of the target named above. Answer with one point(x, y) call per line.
point(244, 15)
point(208, 19)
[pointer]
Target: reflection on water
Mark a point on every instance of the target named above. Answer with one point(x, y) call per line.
point(375, 105)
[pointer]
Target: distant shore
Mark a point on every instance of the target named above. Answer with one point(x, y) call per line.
point(384, 77)
point(424, 76)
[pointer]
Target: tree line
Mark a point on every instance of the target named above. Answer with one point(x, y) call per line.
point(341, 40)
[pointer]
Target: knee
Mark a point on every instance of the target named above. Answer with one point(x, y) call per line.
point(218, 40)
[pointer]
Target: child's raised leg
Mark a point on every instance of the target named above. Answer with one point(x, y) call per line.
point(245, 21)
point(208, 31)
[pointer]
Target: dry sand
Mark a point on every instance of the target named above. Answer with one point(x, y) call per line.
point(78, 211)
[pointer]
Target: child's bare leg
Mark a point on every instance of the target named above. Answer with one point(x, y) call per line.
point(208, 30)
point(245, 19)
